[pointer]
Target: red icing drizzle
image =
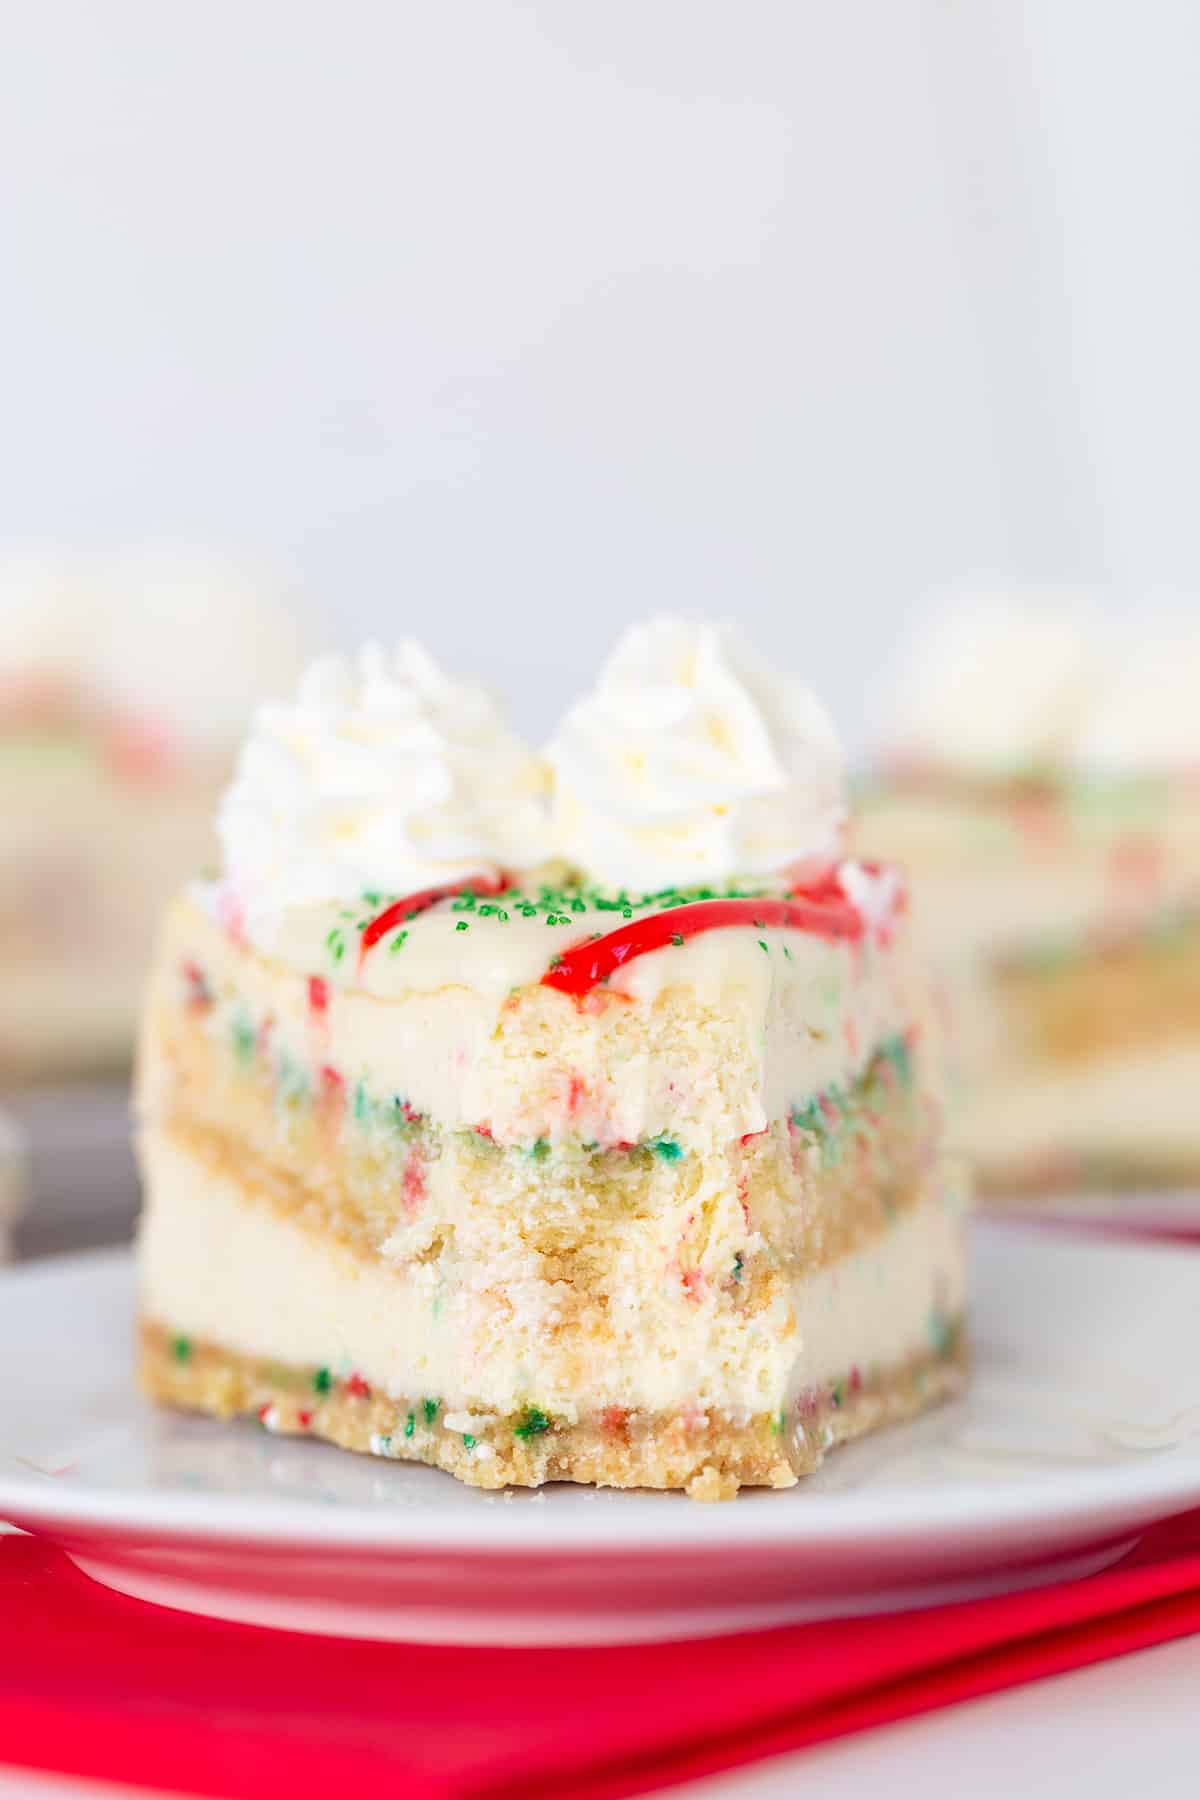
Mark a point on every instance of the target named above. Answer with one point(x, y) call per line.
point(822, 909)
point(407, 908)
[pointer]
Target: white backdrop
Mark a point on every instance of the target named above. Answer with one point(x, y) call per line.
point(506, 322)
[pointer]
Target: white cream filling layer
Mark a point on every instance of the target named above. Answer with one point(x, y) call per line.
point(222, 1266)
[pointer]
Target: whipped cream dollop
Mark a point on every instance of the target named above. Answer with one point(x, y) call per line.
point(1148, 719)
point(997, 685)
point(691, 761)
point(382, 774)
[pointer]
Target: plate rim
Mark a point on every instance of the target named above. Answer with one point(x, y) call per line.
point(1164, 1482)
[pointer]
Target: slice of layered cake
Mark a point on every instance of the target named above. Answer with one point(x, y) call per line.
point(548, 1121)
point(1044, 795)
point(125, 685)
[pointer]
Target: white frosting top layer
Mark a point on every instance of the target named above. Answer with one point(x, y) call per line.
point(381, 774)
point(691, 761)
point(997, 686)
point(1149, 718)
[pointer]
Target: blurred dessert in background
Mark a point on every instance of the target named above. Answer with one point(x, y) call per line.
point(1042, 787)
point(124, 685)
point(14, 1180)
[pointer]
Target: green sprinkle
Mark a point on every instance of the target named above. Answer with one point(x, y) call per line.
point(896, 1051)
point(462, 925)
point(788, 953)
point(244, 1039)
point(410, 1425)
point(362, 1106)
point(778, 1423)
point(941, 1331)
point(397, 942)
point(667, 1148)
point(430, 1409)
point(762, 944)
point(533, 1423)
point(181, 1349)
point(838, 1394)
point(677, 939)
point(738, 1266)
point(468, 1441)
point(322, 1381)
point(540, 1149)
point(371, 898)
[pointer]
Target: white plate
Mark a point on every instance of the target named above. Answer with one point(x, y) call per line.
point(1082, 1425)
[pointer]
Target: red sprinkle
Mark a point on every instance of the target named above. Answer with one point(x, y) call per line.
point(357, 1387)
point(231, 916)
point(421, 901)
point(304, 1419)
point(823, 910)
point(694, 1284)
point(332, 1096)
point(412, 1186)
point(199, 997)
point(318, 995)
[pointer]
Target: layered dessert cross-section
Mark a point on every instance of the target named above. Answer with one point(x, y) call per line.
point(543, 1175)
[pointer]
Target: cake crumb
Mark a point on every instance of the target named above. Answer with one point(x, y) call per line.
point(712, 1484)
